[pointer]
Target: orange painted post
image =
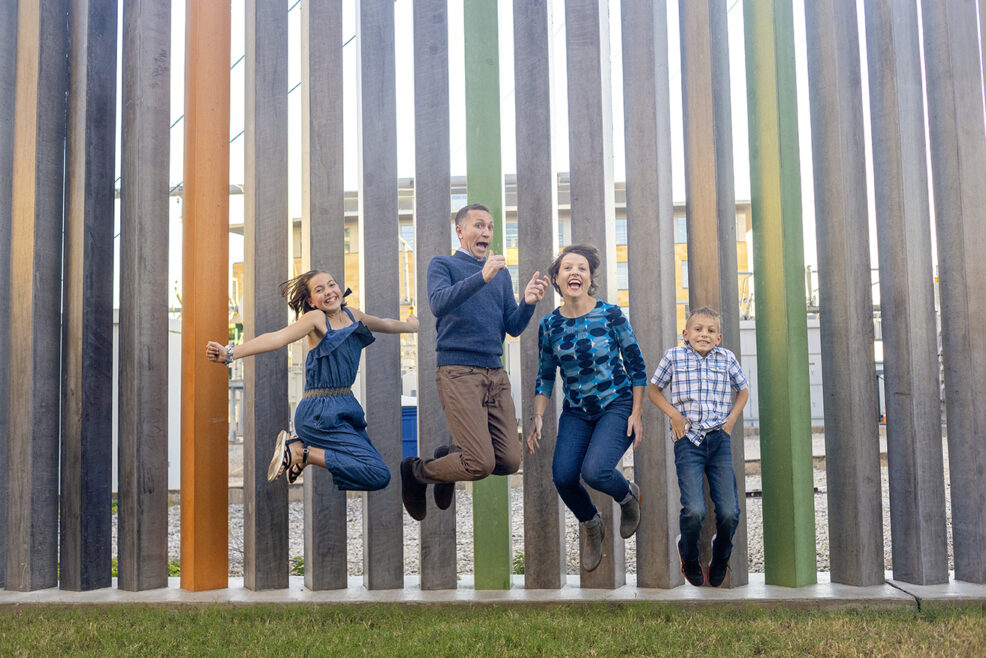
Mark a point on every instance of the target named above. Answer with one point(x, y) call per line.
point(205, 276)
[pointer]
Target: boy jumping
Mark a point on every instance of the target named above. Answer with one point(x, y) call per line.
point(702, 410)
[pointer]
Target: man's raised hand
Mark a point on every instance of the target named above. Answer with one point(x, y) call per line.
point(494, 263)
point(536, 288)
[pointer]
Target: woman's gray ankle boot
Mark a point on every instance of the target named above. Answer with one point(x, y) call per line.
point(630, 512)
point(593, 532)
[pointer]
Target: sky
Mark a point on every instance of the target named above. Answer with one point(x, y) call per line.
point(405, 105)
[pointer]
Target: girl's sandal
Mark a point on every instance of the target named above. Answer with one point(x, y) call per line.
point(295, 470)
point(281, 460)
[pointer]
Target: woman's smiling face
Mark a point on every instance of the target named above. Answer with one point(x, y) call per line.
point(574, 276)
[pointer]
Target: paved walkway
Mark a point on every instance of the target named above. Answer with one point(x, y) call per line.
point(824, 595)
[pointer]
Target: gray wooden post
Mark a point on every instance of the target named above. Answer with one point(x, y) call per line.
point(432, 209)
point(544, 522)
point(87, 331)
point(35, 294)
point(907, 296)
point(383, 553)
point(265, 255)
point(323, 221)
point(590, 128)
point(711, 213)
point(8, 69)
point(650, 254)
point(958, 159)
point(143, 388)
point(852, 404)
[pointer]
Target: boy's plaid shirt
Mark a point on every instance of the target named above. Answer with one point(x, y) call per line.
point(701, 388)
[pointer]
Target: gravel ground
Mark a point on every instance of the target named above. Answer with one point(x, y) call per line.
point(754, 516)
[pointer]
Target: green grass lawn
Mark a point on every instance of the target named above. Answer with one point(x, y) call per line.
point(488, 630)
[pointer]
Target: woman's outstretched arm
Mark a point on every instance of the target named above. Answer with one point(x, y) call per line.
point(268, 342)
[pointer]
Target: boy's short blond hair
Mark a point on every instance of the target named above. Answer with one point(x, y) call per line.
point(708, 312)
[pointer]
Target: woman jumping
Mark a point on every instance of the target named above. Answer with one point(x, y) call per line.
point(603, 379)
point(329, 422)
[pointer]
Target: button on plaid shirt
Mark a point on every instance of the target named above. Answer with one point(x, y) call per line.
point(701, 388)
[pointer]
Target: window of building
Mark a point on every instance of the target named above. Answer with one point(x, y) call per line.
point(621, 231)
point(622, 276)
point(684, 275)
point(681, 229)
point(510, 240)
point(407, 234)
point(345, 242)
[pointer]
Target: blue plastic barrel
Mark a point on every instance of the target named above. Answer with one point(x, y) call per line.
point(409, 431)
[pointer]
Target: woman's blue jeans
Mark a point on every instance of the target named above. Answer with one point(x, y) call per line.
point(714, 458)
point(589, 447)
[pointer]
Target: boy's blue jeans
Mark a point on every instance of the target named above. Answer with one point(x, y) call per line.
point(589, 447)
point(714, 458)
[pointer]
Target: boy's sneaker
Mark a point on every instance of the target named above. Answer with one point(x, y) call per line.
point(444, 493)
point(630, 512)
point(717, 571)
point(592, 542)
point(691, 570)
point(412, 490)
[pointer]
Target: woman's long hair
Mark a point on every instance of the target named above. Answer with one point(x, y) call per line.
point(297, 293)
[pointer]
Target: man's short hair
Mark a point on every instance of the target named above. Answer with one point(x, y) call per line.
point(464, 210)
point(707, 311)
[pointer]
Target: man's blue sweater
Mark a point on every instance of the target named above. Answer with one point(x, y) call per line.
point(473, 315)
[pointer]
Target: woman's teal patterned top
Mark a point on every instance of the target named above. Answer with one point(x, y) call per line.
point(588, 350)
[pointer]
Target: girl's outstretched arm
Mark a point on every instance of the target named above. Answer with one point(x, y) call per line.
point(269, 342)
point(386, 325)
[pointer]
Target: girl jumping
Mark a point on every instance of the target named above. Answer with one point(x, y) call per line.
point(329, 422)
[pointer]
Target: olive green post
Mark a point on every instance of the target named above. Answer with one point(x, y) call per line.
point(778, 262)
point(484, 180)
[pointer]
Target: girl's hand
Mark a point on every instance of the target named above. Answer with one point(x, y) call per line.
point(412, 321)
point(215, 352)
point(635, 428)
point(534, 438)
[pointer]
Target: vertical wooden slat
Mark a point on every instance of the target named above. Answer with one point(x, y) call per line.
point(907, 296)
point(35, 294)
point(432, 209)
point(852, 446)
point(205, 298)
point(958, 159)
point(544, 522)
point(590, 130)
point(383, 553)
point(143, 388)
point(323, 226)
point(782, 332)
point(711, 214)
point(87, 332)
point(265, 255)
point(484, 180)
point(8, 70)
point(650, 255)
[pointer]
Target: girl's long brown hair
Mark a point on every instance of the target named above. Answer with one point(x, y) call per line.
point(296, 292)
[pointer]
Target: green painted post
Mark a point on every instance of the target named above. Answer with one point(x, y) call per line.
point(484, 181)
point(778, 261)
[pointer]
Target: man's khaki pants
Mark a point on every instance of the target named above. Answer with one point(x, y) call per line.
point(481, 418)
